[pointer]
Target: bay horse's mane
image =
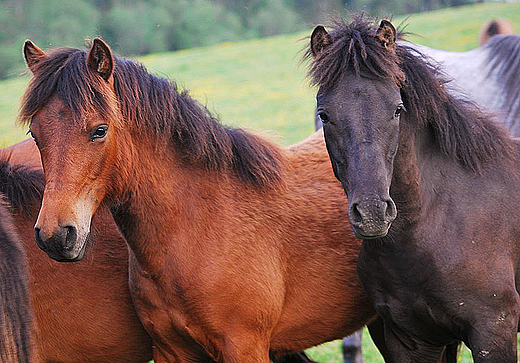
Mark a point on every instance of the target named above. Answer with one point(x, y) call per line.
point(154, 107)
point(21, 186)
point(504, 59)
point(461, 130)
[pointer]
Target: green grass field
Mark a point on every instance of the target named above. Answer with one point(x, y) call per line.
point(260, 85)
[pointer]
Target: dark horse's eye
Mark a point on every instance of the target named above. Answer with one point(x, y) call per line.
point(32, 135)
point(323, 116)
point(99, 133)
point(398, 111)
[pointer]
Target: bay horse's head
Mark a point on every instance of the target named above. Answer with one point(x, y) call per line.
point(72, 113)
point(359, 103)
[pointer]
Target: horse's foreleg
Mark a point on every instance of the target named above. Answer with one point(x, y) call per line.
point(299, 357)
point(351, 348)
point(493, 337)
point(399, 349)
point(160, 356)
point(179, 354)
point(246, 348)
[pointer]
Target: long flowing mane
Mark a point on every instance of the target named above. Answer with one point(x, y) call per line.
point(461, 130)
point(154, 107)
point(503, 59)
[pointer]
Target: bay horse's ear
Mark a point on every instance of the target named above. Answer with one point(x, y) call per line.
point(386, 34)
point(100, 59)
point(320, 39)
point(32, 54)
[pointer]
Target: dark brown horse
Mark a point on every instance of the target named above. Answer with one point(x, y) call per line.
point(434, 189)
point(83, 311)
point(17, 326)
point(235, 254)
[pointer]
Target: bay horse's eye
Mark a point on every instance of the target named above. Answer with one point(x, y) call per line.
point(99, 133)
point(398, 111)
point(323, 116)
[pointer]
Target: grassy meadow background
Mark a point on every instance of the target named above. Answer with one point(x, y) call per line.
point(261, 85)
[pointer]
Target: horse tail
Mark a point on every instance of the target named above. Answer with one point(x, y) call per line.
point(494, 27)
point(449, 355)
point(16, 322)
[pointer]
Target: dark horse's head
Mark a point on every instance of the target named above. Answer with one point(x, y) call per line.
point(359, 103)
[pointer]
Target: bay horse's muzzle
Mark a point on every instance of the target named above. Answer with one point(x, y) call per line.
point(372, 218)
point(60, 245)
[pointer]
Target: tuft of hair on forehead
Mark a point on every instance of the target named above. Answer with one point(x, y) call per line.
point(356, 48)
point(64, 73)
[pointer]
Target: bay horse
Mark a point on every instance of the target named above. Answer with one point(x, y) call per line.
point(17, 326)
point(433, 186)
point(235, 253)
point(84, 310)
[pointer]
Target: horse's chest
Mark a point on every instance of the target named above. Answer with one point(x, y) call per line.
point(406, 291)
point(159, 306)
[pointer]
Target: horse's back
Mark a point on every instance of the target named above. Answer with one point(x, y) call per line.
point(487, 75)
point(17, 328)
point(24, 152)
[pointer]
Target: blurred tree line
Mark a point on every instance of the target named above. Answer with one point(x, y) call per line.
point(135, 27)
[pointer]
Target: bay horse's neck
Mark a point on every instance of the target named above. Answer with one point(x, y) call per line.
point(161, 200)
point(170, 206)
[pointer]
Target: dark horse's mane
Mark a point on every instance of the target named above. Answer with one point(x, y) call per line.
point(461, 130)
point(21, 186)
point(504, 59)
point(151, 105)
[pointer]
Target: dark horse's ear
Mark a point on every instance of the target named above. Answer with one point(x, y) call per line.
point(32, 54)
point(386, 34)
point(320, 39)
point(100, 59)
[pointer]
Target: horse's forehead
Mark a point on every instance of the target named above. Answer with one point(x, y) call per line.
point(55, 115)
point(354, 88)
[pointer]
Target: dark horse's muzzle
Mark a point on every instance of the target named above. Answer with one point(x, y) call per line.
point(372, 217)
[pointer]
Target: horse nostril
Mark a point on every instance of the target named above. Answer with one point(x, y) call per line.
point(391, 210)
point(71, 236)
point(355, 215)
point(37, 236)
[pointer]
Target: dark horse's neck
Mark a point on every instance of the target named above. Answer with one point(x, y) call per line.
point(443, 140)
point(406, 189)
point(424, 174)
